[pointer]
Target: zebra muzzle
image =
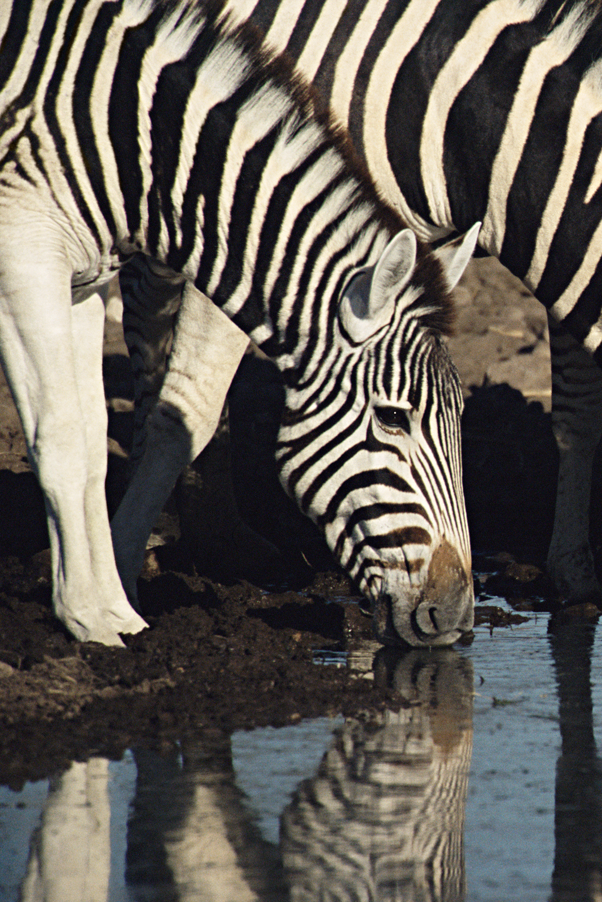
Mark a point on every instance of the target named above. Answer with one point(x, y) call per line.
point(439, 614)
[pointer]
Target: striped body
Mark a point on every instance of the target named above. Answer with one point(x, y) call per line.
point(131, 126)
point(490, 111)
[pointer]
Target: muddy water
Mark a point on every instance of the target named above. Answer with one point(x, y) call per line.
point(485, 785)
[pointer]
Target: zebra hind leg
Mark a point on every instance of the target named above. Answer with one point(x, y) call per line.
point(577, 425)
point(151, 295)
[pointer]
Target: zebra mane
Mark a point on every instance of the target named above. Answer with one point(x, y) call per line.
point(435, 309)
point(585, 17)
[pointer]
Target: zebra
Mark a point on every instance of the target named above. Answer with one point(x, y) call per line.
point(159, 128)
point(485, 111)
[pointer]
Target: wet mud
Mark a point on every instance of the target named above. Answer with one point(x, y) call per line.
point(242, 614)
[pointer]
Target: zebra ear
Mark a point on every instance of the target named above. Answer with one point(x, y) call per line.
point(368, 300)
point(454, 255)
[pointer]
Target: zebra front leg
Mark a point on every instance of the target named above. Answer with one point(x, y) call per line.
point(207, 348)
point(577, 425)
point(41, 367)
point(87, 325)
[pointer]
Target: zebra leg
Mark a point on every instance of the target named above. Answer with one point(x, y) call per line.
point(207, 348)
point(87, 325)
point(70, 851)
point(577, 425)
point(40, 364)
point(151, 295)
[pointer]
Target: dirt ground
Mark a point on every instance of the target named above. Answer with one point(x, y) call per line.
point(237, 622)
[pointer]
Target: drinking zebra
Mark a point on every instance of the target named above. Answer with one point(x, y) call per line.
point(489, 111)
point(156, 127)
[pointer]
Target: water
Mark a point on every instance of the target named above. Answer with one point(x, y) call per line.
point(486, 786)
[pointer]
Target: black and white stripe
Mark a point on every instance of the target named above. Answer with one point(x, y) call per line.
point(383, 816)
point(146, 126)
point(490, 111)
point(485, 111)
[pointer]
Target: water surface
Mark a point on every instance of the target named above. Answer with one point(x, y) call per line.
point(484, 784)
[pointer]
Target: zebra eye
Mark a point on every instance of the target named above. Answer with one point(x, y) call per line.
point(393, 418)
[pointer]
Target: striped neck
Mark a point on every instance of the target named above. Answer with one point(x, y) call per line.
point(262, 204)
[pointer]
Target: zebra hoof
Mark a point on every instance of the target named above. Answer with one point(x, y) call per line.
point(97, 632)
point(125, 621)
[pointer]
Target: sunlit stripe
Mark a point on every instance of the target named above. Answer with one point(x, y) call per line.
point(337, 202)
point(240, 11)
point(467, 57)
point(256, 118)
point(351, 57)
point(169, 45)
point(100, 96)
point(306, 189)
point(64, 112)
point(27, 51)
point(404, 36)
point(594, 338)
point(284, 22)
point(551, 52)
point(320, 36)
point(591, 260)
point(586, 106)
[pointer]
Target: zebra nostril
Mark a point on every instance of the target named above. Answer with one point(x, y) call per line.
point(424, 622)
point(421, 634)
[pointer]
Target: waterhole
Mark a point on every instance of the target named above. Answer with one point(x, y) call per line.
point(483, 782)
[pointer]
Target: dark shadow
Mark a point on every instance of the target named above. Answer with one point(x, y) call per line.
point(117, 376)
point(23, 530)
point(256, 400)
point(313, 616)
point(510, 471)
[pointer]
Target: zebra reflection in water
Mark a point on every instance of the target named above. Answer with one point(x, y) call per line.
point(383, 818)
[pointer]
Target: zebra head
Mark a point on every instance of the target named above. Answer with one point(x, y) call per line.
point(370, 446)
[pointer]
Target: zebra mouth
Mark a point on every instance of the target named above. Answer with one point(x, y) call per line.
point(418, 627)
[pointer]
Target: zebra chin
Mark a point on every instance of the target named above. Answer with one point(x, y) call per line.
point(437, 613)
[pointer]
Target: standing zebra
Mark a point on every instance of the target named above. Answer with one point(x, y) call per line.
point(148, 126)
point(484, 111)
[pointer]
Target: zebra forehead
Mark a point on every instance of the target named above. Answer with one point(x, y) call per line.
point(412, 361)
